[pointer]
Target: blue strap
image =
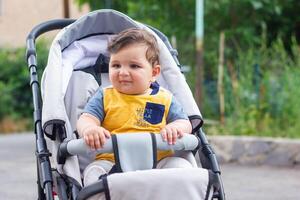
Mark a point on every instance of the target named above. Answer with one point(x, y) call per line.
point(155, 88)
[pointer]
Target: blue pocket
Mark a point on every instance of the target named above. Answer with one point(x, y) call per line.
point(154, 113)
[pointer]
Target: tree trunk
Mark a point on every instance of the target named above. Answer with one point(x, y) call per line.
point(66, 7)
point(221, 77)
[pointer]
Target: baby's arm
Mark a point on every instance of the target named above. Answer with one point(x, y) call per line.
point(93, 134)
point(176, 129)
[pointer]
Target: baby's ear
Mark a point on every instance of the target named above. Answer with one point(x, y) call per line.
point(155, 70)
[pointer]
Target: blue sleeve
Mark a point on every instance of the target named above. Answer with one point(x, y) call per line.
point(95, 105)
point(176, 111)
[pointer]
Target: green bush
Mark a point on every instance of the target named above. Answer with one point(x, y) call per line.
point(15, 91)
point(266, 102)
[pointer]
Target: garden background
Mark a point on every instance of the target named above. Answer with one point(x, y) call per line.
point(251, 70)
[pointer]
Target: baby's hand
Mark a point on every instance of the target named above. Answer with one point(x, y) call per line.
point(95, 136)
point(170, 133)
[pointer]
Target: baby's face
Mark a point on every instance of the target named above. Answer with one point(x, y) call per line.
point(129, 70)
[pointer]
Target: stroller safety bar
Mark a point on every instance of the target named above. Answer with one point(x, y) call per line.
point(188, 142)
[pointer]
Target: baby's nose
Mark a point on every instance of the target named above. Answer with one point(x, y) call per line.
point(123, 71)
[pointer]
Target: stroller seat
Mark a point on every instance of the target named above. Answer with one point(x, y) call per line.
point(77, 67)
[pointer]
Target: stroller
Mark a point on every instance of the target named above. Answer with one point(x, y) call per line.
point(77, 67)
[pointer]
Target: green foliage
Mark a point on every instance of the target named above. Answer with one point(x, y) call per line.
point(15, 92)
point(245, 22)
point(13, 76)
point(266, 101)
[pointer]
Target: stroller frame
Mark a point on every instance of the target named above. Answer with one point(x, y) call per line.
point(45, 175)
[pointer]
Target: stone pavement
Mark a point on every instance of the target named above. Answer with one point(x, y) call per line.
point(260, 182)
point(258, 167)
point(241, 182)
point(255, 151)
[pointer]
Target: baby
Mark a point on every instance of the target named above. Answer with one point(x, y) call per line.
point(134, 103)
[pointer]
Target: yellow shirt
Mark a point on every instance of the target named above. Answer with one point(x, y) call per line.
point(135, 113)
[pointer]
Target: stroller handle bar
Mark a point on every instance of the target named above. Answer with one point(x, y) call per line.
point(39, 30)
point(188, 142)
point(44, 172)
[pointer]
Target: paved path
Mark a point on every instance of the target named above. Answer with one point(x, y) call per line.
point(18, 167)
point(18, 175)
point(260, 183)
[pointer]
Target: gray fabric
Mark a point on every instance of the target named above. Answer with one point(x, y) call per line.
point(135, 151)
point(92, 173)
point(101, 21)
point(78, 94)
point(175, 184)
point(100, 167)
point(187, 155)
point(95, 169)
point(173, 162)
point(52, 85)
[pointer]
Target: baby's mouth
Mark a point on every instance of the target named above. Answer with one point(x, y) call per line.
point(124, 82)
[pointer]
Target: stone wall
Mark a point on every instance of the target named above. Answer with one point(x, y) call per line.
point(256, 150)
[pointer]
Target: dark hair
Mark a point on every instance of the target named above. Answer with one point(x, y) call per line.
point(136, 36)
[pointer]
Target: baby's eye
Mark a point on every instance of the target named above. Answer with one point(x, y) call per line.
point(116, 66)
point(134, 66)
